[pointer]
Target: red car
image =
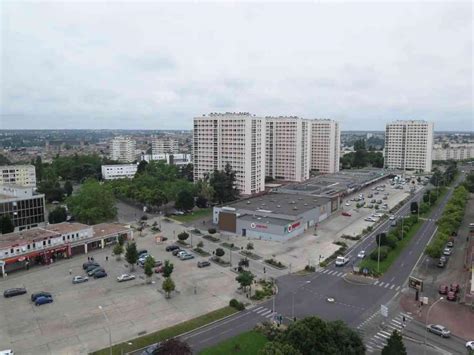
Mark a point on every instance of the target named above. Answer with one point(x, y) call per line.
point(451, 296)
point(347, 214)
point(443, 289)
point(159, 269)
point(455, 288)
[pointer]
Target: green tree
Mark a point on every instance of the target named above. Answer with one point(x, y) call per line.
point(245, 279)
point(184, 201)
point(38, 168)
point(220, 252)
point(183, 236)
point(131, 255)
point(121, 239)
point(168, 286)
point(187, 172)
point(359, 145)
point(58, 215)
point(167, 268)
point(141, 168)
point(313, 335)
point(118, 251)
point(68, 188)
point(277, 348)
point(223, 185)
point(394, 345)
point(6, 224)
point(148, 267)
point(249, 246)
point(94, 203)
point(469, 183)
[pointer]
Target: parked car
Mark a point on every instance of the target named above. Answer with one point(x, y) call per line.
point(186, 256)
point(125, 277)
point(469, 345)
point(347, 214)
point(7, 352)
point(94, 271)
point(447, 251)
point(450, 244)
point(201, 264)
point(79, 279)
point(92, 267)
point(34, 296)
point(43, 300)
point(443, 289)
point(392, 217)
point(369, 219)
point(143, 251)
point(159, 269)
point(348, 204)
point(385, 198)
point(172, 247)
point(454, 287)
point(443, 258)
point(452, 296)
point(438, 330)
point(100, 274)
point(373, 201)
point(11, 292)
point(176, 251)
point(89, 263)
point(441, 264)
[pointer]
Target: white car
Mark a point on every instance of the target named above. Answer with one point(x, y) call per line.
point(469, 345)
point(348, 204)
point(447, 251)
point(6, 352)
point(79, 279)
point(125, 277)
point(361, 254)
point(377, 215)
point(369, 219)
point(341, 261)
point(392, 217)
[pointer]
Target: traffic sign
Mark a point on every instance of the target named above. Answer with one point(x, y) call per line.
point(415, 283)
point(384, 310)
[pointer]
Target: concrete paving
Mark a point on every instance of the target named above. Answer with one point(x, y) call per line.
point(74, 324)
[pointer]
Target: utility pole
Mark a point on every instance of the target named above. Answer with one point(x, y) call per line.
point(378, 257)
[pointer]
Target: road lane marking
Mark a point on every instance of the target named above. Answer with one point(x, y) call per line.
point(262, 310)
point(376, 282)
point(256, 309)
point(381, 284)
point(266, 313)
point(392, 287)
point(325, 271)
point(398, 287)
point(384, 332)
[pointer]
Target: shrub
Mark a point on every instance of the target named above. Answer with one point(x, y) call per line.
point(200, 244)
point(310, 268)
point(220, 252)
point(212, 231)
point(183, 236)
point(144, 217)
point(236, 304)
point(383, 253)
point(249, 246)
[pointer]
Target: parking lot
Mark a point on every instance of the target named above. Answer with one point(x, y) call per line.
point(74, 324)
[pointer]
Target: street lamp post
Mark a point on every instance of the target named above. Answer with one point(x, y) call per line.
point(426, 323)
point(378, 257)
point(110, 331)
point(293, 305)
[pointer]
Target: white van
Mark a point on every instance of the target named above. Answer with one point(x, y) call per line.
point(341, 261)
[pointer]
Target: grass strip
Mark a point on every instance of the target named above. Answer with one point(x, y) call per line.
point(248, 343)
point(167, 333)
point(189, 217)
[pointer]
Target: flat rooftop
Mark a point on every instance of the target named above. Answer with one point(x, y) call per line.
point(266, 220)
point(40, 233)
point(104, 229)
point(280, 203)
point(332, 184)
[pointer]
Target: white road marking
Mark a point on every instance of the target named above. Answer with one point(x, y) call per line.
point(392, 286)
point(398, 287)
point(387, 285)
point(262, 310)
point(256, 309)
point(376, 282)
point(381, 284)
point(265, 313)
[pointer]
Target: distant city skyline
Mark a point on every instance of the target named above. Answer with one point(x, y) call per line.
point(86, 65)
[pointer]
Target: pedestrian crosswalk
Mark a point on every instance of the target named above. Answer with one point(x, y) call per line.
point(383, 284)
point(264, 312)
point(335, 273)
point(387, 285)
point(378, 341)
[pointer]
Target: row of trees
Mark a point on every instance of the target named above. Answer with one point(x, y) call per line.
point(449, 222)
point(388, 241)
point(362, 157)
point(439, 178)
point(469, 183)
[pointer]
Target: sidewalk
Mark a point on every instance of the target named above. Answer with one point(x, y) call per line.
point(457, 318)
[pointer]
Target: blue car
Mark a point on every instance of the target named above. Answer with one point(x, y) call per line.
point(43, 300)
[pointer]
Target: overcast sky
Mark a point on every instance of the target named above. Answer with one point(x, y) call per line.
point(157, 65)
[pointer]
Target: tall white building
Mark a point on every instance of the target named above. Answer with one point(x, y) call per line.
point(21, 175)
point(454, 152)
point(409, 145)
point(288, 148)
point(325, 146)
point(122, 149)
point(234, 138)
point(164, 146)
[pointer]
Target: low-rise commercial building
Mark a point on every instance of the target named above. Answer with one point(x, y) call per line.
point(121, 171)
point(172, 159)
point(276, 217)
point(44, 245)
point(24, 206)
point(20, 175)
